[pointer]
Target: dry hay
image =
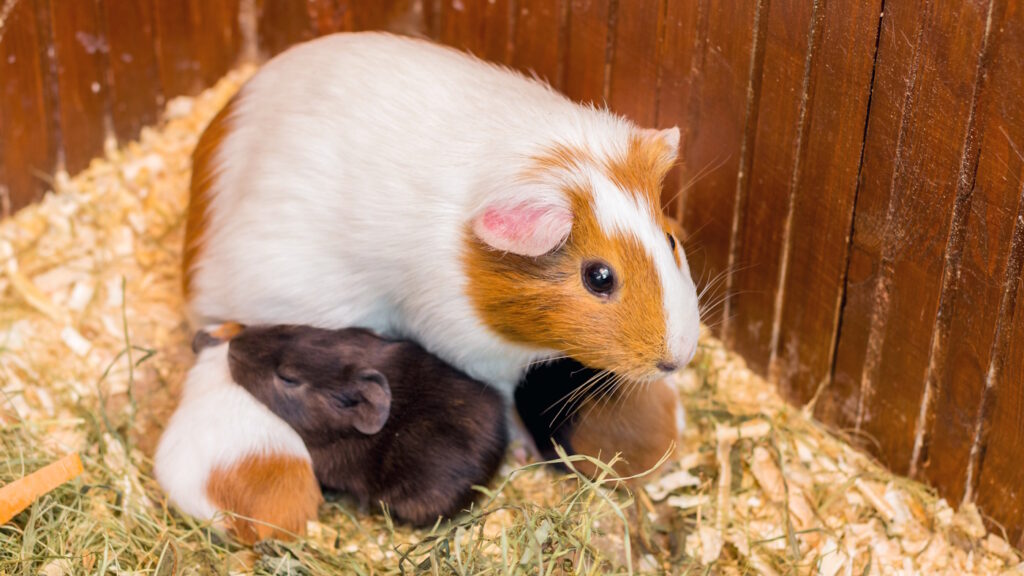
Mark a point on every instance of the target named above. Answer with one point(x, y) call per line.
point(93, 350)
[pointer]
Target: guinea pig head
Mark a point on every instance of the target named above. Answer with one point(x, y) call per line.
point(318, 381)
point(576, 256)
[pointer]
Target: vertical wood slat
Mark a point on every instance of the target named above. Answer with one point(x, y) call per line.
point(283, 23)
point(717, 128)
point(778, 140)
point(916, 133)
point(216, 37)
point(633, 86)
point(81, 47)
point(995, 253)
point(177, 60)
point(823, 199)
point(538, 39)
point(587, 42)
point(29, 137)
point(481, 28)
point(133, 79)
point(675, 73)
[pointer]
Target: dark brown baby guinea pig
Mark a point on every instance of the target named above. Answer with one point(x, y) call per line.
point(575, 406)
point(384, 421)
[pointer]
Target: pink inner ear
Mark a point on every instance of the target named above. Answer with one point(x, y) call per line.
point(524, 229)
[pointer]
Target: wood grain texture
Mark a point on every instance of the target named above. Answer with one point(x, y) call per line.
point(133, 78)
point(481, 28)
point(718, 122)
point(676, 62)
point(177, 59)
point(216, 37)
point(823, 196)
point(588, 36)
point(921, 110)
point(538, 38)
point(283, 23)
point(30, 131)
point(633, 86)
point(81, 47)
point(791, 39)
point(993, 262)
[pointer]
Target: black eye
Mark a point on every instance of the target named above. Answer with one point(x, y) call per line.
point(671, 240)
point(599, 278)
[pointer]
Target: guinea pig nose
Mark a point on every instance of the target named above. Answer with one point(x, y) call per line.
point(667, 366)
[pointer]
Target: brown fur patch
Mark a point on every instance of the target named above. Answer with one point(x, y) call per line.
point(543, 302)
point(273, 495)
point(641, 171)
point(203, 176)
point(638, 424)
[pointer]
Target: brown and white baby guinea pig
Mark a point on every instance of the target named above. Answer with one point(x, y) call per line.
point(384, 421)
point(589, 412)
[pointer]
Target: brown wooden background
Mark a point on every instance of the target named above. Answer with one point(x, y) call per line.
point(859, 204)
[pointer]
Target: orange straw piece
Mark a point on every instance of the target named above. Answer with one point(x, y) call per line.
point(21, 493)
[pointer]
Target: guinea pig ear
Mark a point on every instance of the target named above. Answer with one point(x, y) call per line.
point(373, 400)
point(667, 138)
point(215, 335)
point(527, 224)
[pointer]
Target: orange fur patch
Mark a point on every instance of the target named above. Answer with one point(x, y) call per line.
point(227, 331)
point(642, 170)
point(639, 424)
point(273, 495)
point(203, 176)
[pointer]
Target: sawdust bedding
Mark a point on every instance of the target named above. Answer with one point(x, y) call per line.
point(93, 348)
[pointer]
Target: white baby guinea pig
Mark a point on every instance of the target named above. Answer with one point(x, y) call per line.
point(223, 450)
point(371, 180)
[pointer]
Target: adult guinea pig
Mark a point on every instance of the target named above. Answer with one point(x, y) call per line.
point(590, 412)
point(372, 180)
point(384, 421)
point(224, 451)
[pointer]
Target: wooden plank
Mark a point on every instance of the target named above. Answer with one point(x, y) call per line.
point(790, 42)
point(177, 60)
point(587, 42)
point(29, 135)
point(217, 37)
point(717, 129)
point(676, 61)
point(283, 23)
point(538, 39)
point(81, 46)
point(823, 197)
point(133, 81)
point(482, 28)
point(633, 86)
point(920, 114)
point(965, 327)
point(999, 492)
point(996, 477)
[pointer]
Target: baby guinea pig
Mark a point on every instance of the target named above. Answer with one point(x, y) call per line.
point(223, 451)
point(383, 420)
point(641, 424)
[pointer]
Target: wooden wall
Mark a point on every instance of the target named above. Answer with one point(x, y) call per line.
point(852, 173)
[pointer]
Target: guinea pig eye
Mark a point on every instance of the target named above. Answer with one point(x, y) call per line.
point(287, 379)
point(671, 240)
point(599, 278)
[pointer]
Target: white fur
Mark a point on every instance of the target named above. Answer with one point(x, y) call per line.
point(216, 424)
point(352, 168)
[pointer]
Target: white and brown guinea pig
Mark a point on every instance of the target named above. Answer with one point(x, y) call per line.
point(588, 412)
point(372, 180)
point(223, 450)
